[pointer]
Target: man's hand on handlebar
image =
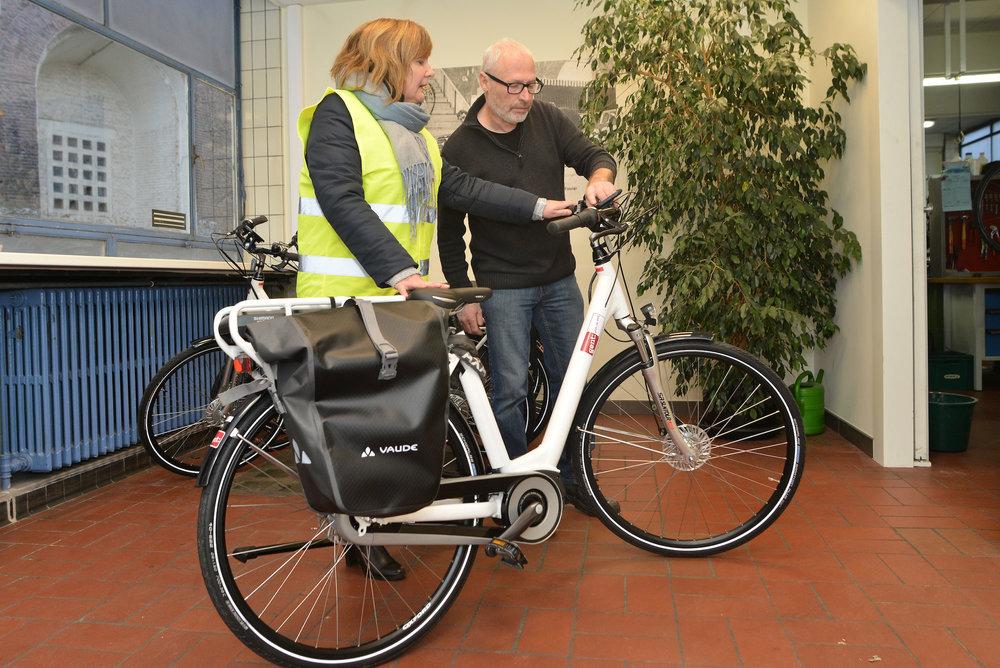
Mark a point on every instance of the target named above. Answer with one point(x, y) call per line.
point(413, 282)
point(599, 190)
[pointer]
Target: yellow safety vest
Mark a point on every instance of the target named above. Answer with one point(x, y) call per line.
point(327, 267)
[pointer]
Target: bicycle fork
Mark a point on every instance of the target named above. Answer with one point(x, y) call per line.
point(644, 344)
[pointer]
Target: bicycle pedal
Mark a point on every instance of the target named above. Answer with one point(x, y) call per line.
point(509, 553)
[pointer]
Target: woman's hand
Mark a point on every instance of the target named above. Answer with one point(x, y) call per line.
point(557, 208)
point(414, 282)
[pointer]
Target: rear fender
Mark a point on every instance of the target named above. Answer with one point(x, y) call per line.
point(223, 439)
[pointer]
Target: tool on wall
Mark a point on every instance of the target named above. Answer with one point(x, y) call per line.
point(949, 260)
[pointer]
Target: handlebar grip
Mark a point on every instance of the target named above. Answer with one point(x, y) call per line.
point(585, 218)
point(255, 221)
point(291, 257)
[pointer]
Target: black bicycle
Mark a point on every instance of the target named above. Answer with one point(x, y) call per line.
point(180, 411)
point(538, 403)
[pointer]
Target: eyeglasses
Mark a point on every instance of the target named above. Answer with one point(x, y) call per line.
point(515, 88)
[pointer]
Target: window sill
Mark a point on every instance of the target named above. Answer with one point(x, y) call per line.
point(71, 262)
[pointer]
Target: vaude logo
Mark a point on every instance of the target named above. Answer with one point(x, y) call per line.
point(412, 447)
point(390, 449)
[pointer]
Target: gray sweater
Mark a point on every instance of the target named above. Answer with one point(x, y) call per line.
point(334, 162)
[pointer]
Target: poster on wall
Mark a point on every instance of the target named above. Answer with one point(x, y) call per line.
point(956, 190)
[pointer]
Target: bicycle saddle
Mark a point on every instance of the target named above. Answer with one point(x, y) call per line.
point(451, 298)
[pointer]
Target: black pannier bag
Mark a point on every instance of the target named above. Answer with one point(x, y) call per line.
point(367, 442)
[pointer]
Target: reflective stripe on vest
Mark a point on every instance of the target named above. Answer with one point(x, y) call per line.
point(387, 213)
point(343, 266)
point(328, 267)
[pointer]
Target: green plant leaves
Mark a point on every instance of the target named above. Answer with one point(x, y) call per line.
point(711, 119)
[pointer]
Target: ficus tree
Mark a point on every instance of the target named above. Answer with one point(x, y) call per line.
point(711, 117)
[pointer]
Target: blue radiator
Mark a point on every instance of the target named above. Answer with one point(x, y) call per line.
point(74, 363)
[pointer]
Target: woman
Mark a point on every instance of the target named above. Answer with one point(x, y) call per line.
point(372, 180)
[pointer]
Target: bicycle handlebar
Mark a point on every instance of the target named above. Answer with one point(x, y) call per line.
point(252, 243)
point(585, 218)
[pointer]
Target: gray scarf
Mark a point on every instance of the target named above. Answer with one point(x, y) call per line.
point(402, 122)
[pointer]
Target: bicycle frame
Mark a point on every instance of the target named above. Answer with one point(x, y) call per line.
point(608, 299)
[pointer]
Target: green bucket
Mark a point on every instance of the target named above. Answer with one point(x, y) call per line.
point(809, 395)
point(950, 420)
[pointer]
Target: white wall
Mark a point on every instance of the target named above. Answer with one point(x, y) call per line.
point(870, 363)
point(460, 29)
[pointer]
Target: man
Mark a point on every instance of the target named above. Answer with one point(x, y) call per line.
point(510, 137)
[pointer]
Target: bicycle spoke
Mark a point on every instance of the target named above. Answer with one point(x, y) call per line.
point(630, 466)
point(618, 440)
point(753, 451)
point(266, 455)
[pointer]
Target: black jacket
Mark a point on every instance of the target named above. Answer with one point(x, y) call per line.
point(334, 162)
point(522, 255)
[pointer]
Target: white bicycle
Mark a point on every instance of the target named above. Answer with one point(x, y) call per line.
point(699, 444)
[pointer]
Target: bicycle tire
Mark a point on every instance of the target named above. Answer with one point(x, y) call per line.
point(272, 606)
point(748, 442)
point(178, 416)
point(987, 213)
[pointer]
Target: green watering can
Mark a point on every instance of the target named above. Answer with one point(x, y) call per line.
point(808, 393)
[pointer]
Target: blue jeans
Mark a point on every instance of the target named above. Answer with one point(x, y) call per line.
point(556, 312)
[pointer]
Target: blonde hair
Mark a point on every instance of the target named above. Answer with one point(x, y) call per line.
point(380, 52)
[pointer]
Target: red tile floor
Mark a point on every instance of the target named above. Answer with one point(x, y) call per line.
point(869, 566)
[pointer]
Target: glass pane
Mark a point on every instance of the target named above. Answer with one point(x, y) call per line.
point(976, 134)
point(214, 182)
point(977, 147)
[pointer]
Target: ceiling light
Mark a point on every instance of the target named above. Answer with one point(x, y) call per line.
point(964, 80)
point(928, 124)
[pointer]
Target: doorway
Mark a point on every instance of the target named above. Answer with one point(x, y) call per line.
point(961, 88)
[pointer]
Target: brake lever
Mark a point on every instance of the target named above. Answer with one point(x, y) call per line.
point(617, 229)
